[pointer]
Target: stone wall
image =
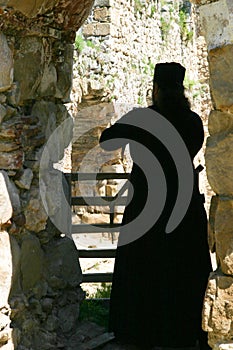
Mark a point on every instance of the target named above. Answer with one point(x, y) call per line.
point(39, 269)
point(217, 23)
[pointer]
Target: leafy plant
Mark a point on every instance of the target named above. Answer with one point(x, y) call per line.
point(90, 44)
point(95, 310)
point(79, 43)
point(152, 10)
point(186, 33)
point(165, 27)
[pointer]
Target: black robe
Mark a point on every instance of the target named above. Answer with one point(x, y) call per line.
point(160, 279)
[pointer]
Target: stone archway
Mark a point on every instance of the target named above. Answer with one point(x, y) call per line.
point(35, 79)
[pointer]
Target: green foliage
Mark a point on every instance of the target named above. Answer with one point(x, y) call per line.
point(165, 27)
point(152, 10)
point(189, 83)
point(90, 44)
point(94, 310)
point(148, 68)
point(183, 19)
point(104, 291)
point(138, 6)
point(79, 43)
point(140, 100)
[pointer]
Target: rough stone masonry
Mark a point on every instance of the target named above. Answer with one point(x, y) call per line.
point(39, 270)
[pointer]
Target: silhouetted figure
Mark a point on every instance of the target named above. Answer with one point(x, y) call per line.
point(160, 279)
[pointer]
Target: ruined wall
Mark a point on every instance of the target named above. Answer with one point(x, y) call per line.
point(115, 53)
point(217, 22)
point(39, 269)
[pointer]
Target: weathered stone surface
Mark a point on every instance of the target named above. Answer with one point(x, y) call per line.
point(11, 160)
point(220, 122)
point(48, 81)
point(223, 346)
point(103, 3)
point(102, 14)
point(16, 272)
point(97, 29)
point(35, 214)
point(31, 262)
point(13, 95)
point(28, 66)
point(54, 191)
point(218, 308)
point(68, 317)
point(6, 209)
point(223, 228)
point(221, 71)
point(217, 21)
point(3, 113)
point(65, 74)
point(62, 263)
point(29, 8)
point(5, 268)
point(14, 197)
point(211, 223)
point(25, 179)
point(219, 163)
point(6, 64)
point(50, 116)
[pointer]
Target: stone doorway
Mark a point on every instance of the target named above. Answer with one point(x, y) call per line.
point(40, 293)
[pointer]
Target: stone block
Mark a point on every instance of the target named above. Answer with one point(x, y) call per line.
point(223, 228)
point(11, 160)
point(13, 95)
point(219, 122)
point(211, 224)
point(5, 268)
point(103, 3)
point(6, 209)
point(6, 64)
point(29, 8)
point(16, 272)
point(65, 74)
point(102, 14)
point(31, 262)
point(25, 179)
point(223, 346)
point(54, 192)
point(219, 163)
point(3, 113)
point(48, 81)
point(35, 214)
point(221, 72)
point(29, 66)
point(97, 29)
point(89, 29)
point(62, 263)
point(68, 317)
point(102, 29)
point(218, 308)
point(217, 22)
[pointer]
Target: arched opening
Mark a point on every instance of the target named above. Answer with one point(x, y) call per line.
point(116, 51)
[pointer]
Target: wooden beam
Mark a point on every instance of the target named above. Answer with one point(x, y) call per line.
point(97, 253)
point(97, 277)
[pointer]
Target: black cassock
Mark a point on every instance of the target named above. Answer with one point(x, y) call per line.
point(160, 279)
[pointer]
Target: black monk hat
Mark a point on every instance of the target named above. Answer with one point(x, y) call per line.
point(169, 74)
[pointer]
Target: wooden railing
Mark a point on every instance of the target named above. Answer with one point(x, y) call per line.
point(110, 201)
